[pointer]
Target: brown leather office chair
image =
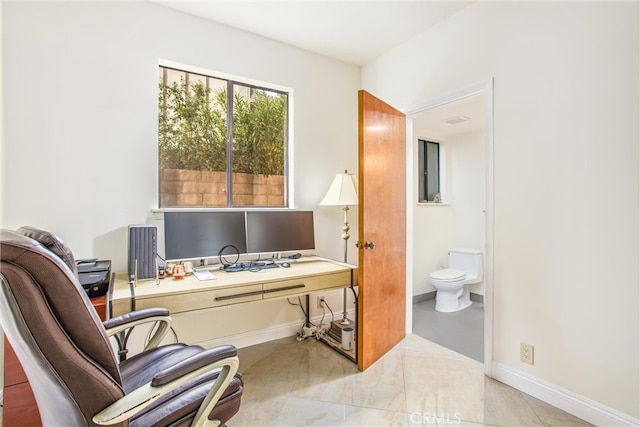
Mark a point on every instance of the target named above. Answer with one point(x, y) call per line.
point(65, 350)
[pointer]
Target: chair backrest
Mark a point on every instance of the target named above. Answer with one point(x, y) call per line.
point(52, 242)
point(56, 334)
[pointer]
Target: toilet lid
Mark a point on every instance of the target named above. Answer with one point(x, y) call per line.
point(448, 274)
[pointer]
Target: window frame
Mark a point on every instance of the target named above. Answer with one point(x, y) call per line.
point(232, 80)
point(423, 163)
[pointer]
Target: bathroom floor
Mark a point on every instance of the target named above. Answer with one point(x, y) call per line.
point(461, 331)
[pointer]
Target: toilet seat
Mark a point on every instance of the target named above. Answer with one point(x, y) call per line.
point(448, 275)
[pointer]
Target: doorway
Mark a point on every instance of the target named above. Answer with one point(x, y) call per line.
point(466, 111)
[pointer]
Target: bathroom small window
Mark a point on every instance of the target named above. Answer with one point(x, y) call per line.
point(429, 171)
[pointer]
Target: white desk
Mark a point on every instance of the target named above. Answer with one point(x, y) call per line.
point(307, 274)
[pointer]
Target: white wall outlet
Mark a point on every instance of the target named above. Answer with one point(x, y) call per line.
point(319, 301)
point(526, 353)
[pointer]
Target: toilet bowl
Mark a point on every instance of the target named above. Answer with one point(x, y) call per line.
point(452, 284)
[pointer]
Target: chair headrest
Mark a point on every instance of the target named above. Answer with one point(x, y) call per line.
point(52, 242)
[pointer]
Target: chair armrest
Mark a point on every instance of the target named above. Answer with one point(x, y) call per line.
point(127, 321)
point(195, 362)
point(135, 316)
point(202, 363)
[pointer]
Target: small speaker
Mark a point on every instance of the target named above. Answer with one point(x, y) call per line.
point(143, 251)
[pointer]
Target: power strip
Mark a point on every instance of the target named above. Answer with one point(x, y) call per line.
point(312, 331)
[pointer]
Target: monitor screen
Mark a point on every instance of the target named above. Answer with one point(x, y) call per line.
point(279, 231)
point(200, 235)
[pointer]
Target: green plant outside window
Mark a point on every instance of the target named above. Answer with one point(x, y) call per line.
point(221, 143)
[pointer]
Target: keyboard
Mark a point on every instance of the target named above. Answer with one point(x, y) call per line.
point(249, 266)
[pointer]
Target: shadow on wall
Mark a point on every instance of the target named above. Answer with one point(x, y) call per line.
point(113, 246)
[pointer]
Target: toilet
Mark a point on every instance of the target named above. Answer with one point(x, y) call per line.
point(452, 284)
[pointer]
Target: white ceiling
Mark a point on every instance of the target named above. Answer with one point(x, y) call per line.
point(435, 119)
point(355, 32)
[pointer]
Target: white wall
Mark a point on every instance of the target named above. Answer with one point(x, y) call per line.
point(430, 245)
point(566, 178)
point(467, 190)
point(80, 83)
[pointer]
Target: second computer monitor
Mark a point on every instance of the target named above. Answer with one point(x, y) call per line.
point(279, 231)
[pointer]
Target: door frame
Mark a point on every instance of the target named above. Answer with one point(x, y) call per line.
point(485, 89)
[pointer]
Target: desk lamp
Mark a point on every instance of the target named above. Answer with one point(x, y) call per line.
point(343, 192)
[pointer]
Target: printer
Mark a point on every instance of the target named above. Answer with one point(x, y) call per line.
point(95, 276)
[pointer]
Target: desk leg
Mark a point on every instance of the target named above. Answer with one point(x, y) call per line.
point(308, 320)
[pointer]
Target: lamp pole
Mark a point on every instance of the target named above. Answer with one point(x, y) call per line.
point(345, 237)
point(345, 230)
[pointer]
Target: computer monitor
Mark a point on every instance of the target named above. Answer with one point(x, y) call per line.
point(279, 231)
point(202, 235)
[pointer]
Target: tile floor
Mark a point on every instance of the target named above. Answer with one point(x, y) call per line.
point(417, 383)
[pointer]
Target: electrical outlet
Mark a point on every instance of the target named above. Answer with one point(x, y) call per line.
point(526, 353)
point(319, 301)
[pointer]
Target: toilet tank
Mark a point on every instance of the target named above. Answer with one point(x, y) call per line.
point(467, 260)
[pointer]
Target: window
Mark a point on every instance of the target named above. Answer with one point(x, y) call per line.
point(221, 143)
point(429, 170)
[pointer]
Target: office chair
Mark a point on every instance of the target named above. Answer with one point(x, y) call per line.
point(70, 363)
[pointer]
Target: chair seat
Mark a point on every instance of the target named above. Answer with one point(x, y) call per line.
point(141, 368)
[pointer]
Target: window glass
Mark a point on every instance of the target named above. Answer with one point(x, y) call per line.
point(433, 170)
point(259, 133)
point(429, 171)
point(221, 143)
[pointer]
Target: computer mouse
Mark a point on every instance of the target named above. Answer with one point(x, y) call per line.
point(286, 265)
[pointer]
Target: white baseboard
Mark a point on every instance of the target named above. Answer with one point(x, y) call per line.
point(259, 336)
point(570, 402)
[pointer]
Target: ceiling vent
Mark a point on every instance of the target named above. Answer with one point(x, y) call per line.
point(456, 119)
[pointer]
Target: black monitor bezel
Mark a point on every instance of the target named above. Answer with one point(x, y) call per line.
point(237, 238)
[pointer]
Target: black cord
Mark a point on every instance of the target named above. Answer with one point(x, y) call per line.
point(299, 304)
point(355, 296)
point(223, 261)
point(325, 303)
point(323, 313)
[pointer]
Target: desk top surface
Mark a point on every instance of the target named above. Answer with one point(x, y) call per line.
point(300, 268)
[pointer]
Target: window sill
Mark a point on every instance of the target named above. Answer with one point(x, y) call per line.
point(433, 204)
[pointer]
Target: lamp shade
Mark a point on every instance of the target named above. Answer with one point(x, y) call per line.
point(343, 191)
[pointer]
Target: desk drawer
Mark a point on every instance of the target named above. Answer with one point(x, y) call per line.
point(309, 284)
point(200, 300)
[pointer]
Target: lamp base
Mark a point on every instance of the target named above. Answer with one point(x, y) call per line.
point(337, 326)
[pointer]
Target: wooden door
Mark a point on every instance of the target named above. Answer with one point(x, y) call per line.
point(381, 228)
